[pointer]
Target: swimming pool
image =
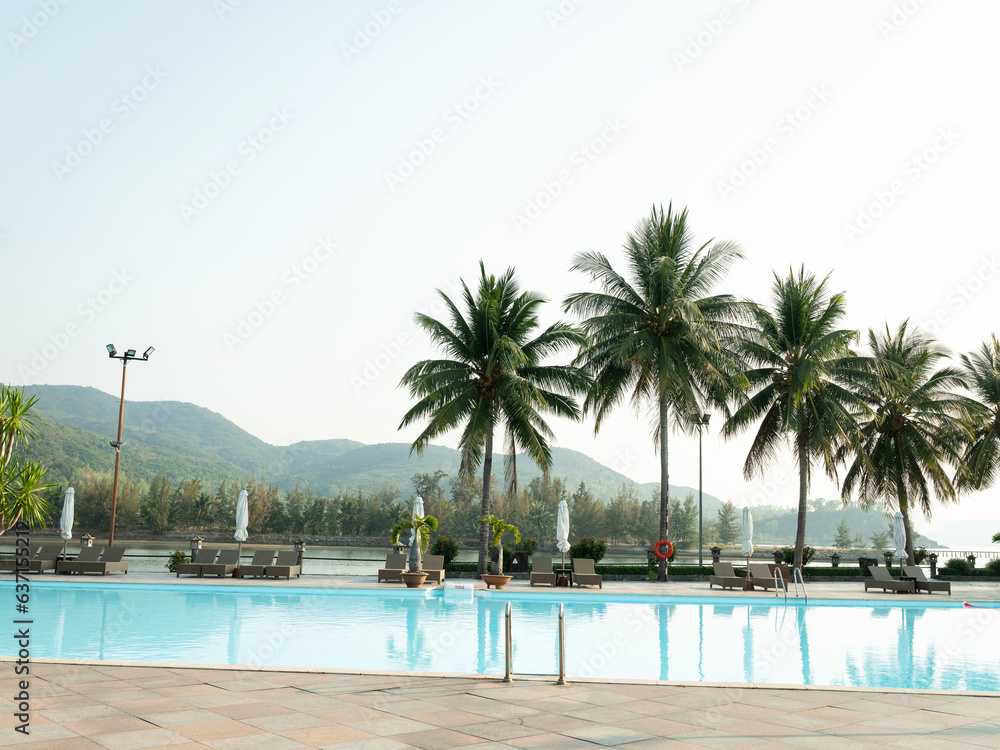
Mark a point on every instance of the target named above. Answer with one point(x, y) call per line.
point(920, 644)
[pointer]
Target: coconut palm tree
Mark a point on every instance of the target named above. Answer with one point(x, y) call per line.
point(494, 376)
point(802, 373)
point(657, 336)
point(982, 376)
point(23, 488)
point(916, 426)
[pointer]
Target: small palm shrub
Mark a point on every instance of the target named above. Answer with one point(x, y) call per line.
point(595, 549)
point(447, 546)
point(177, 557)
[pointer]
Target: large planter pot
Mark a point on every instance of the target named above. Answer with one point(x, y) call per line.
point(496, 581)
point(414, 580)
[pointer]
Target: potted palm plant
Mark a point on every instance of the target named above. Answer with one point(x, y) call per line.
point(498, 527)
point(420, 528)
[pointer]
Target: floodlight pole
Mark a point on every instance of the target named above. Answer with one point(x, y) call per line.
point(128, 356)
point(703, 422)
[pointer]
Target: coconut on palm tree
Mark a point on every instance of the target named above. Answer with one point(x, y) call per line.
point(657, 336)
point(982, 458)
point(493, 375)
point(916, 426)
point(23, 488)
point(420, 528)
point(802, 374)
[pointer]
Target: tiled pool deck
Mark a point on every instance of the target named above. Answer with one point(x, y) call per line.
point(76, 705)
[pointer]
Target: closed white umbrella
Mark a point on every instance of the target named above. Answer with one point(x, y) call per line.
point(242, 521)
point(418, 510)
point(747, 549)
point(66, 522)
point(899, 535)
point(562, 530)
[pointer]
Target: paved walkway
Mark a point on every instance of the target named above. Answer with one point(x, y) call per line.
point(127, 708)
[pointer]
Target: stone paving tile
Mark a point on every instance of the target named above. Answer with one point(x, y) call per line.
point(378, 743)
point(169, 719)
point(552, 742)
point(255, 742)
point(606, 735)
point(286, 722)
point(652, 708)
point(41, 735)
point(410, 708)
point(392, 726)
point(556, 722)
point(499, 730)
point(328, 734)
point(451, 718)
point(250, 710)
point(216, 730)
point(438, 739)
point(139, 740)
point(716, 739)
point(607, 715)
point(350, 715)
point(79, 713)
point(105, 725)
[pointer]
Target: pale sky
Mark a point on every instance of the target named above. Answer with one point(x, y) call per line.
point(266, 192)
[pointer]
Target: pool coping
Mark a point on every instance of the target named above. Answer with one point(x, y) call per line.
point(516, 677)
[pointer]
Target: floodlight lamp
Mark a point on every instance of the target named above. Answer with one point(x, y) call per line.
point(705, 418)
point(145, 354)
point(130, 353)
point(111, 350)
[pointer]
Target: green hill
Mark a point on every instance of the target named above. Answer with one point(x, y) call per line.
point(187, 441)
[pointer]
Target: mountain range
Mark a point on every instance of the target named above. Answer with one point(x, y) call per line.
point(186, 441)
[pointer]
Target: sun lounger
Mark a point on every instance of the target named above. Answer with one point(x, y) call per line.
point(45, 559)
point(584, 573)
point(762, 575)
point(434, 568)
point(201, 558)
point(725, 576)
point(87, 554)
point(881, 579)
point(111, 561)
point(224, 565)
point(7, 565)
point(395, 564)
point(286, 566)
point(923, 583)
point(261, 559)
point(541, 571)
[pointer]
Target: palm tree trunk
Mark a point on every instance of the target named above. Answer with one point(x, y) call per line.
point(910, 557)
point(664, 484)
point(484, 529)
point(800, 528)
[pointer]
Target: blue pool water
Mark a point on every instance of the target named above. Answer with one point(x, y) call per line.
point(920, 644)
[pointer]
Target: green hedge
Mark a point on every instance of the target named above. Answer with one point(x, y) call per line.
point(462, 567)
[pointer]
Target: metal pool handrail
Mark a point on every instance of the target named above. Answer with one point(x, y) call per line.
point(508, 658)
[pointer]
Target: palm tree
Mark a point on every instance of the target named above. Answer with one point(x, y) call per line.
point(497, 528)
point(801, 376)
point(23, 488)
point(421, 526)
point(493, 376)
point(657, 337)
point(982, 458)
point(915, 427)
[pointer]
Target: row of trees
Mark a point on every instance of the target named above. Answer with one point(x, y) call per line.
point(906, 426)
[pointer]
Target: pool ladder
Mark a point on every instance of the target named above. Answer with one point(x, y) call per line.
point(779, 580)
point(508, 660)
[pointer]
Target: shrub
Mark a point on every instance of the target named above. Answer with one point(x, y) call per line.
point(993, 567)
point(920, 555)
point(529, 545)
point(447, 546)
point(595, 549)
point(177, 557)
point(956, 566)
point(787, 555)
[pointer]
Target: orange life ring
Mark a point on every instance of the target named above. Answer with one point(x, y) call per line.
point(669, 546)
